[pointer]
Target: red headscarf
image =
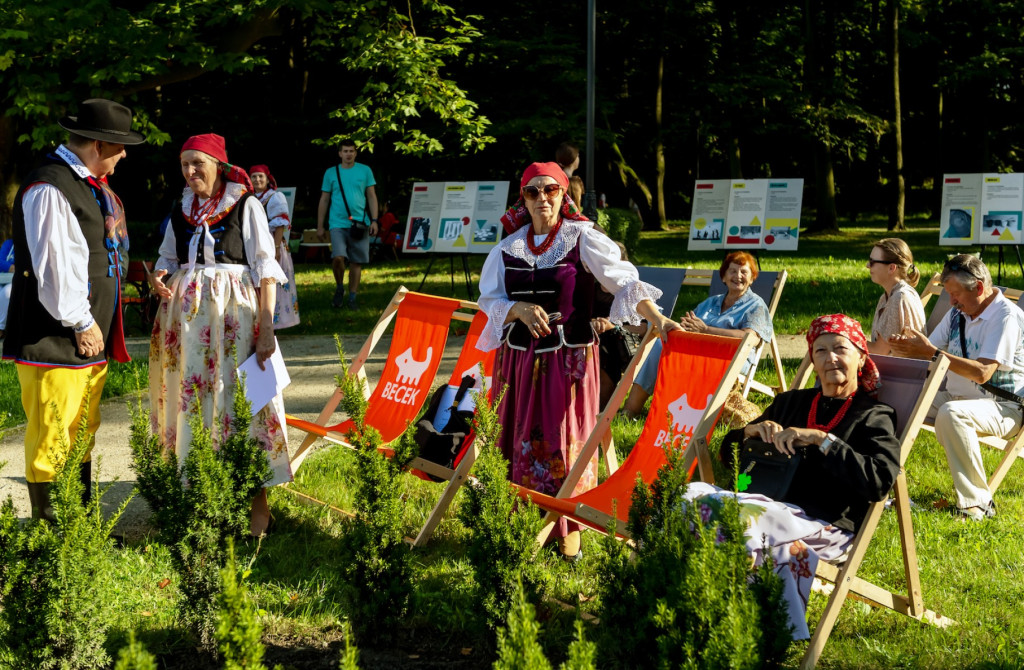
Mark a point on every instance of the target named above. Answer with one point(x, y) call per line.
point(265, 170)
point(213, 146)
point(868, 379)
point(517, 215)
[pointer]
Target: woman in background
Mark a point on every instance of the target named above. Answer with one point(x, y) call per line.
point(286, 307)
point(891, 266)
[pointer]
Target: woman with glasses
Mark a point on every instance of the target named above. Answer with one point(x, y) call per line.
point(891, 266)
point(537, 289)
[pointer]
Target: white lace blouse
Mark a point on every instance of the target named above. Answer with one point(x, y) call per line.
point(600, 256)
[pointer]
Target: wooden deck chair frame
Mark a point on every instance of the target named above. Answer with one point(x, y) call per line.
point(704, 277)
point(455, 477)
point(696, 449)
point(844, 577)
point(1013, 447)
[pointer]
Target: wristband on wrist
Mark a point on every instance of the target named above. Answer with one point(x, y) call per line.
point(826, 443)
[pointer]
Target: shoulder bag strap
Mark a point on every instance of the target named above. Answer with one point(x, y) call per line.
point(344, 199)
point(988, 386)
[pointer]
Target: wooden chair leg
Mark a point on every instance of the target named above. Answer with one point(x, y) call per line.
point(460, 477)
point(1013, 449)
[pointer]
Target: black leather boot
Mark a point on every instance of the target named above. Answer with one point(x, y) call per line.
point(86, 476)
point(39, 497)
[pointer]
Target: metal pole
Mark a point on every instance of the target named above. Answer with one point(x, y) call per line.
point(590, 198)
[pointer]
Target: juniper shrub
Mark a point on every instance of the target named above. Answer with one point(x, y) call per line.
point(503, 543)
point(53, 612)
point(198, 506)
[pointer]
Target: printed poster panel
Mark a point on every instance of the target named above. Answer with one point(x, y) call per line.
point(745, 222)
point(961, 207)
point(485, 229)
point(457, 207)
point(1002, 201)
point(424, 215)
point(710, 207)
point(782, 214)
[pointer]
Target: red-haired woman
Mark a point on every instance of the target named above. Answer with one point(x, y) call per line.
point(732, 314)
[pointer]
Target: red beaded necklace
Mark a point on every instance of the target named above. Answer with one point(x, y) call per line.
point(200, 214)
point(812, 416)
point(539, 249)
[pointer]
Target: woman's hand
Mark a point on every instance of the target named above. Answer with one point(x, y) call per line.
point(265, 345)
point(665, 327)
point(764, 431)
point(159, 286)
point(789, 439)
point(693, 323)
point(601, 325)
point(533, 317)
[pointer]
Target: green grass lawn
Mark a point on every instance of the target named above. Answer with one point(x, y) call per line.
point(970, 572)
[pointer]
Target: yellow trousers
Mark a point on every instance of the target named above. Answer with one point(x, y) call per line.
point(47, 393)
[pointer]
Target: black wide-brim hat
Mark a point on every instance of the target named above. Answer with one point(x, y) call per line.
point(105, 120)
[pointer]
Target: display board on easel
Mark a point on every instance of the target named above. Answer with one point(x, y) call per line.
point(982, 209)
point(455, 217)
point(746, 214)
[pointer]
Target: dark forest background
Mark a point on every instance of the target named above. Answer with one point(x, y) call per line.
point(869, 101)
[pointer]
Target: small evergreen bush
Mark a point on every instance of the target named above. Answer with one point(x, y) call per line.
point(379, 573)
point(53, 610)
point(686, 599)
point(503, 546)
point(350, 654)
point(135, 656)
point(519, 649)
point(622, 225)
point(199, 506)
point(238, 631)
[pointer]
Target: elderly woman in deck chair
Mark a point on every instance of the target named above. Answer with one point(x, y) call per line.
point(813, 462)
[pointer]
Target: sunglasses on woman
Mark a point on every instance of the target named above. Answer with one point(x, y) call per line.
point(549, 191)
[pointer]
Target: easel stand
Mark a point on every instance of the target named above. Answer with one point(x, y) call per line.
point(999, 266)
point(451, 272)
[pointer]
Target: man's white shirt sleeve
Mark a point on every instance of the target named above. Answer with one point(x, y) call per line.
point(59, 255)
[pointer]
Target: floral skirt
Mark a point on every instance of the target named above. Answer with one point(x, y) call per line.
point(795, 541)
point(286, 309)
point(201, 335)
point(547, 414)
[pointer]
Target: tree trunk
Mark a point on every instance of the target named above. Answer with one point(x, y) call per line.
point(818, 73)
point(896, 218)
point(658, 218)
point(633, 183)
point(9, 181)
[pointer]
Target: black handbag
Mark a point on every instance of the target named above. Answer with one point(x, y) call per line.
point(442, 444)
point(765, 470)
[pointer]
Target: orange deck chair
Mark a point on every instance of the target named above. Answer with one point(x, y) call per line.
point(695, 374)
point(417, 344)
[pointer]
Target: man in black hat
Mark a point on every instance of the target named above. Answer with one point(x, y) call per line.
point(65, 313)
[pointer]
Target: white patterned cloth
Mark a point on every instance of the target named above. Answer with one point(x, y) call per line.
point(286, 309)
point(201, 335)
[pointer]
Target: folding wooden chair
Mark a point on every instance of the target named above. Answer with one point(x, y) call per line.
point(908, 386)
point(1013, 447)
point(768, 286)
point(417, 344)
point(422, 319)
point(144, 302)
point(695, 374)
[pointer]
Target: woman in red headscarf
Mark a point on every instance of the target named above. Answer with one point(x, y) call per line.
point(286, 309)
point(216, 251)
point(849, 459)
point(537, 289)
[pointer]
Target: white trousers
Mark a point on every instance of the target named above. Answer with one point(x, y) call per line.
point(957, 425)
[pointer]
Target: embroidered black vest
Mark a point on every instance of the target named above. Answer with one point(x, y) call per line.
point(33, 336)
point(566, 288)
point(227, 233)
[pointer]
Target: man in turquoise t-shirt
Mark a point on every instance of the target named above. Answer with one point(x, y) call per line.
point(351, 211)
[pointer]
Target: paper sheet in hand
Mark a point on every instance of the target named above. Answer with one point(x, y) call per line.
point(262, 385)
